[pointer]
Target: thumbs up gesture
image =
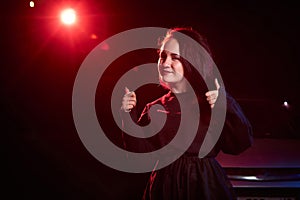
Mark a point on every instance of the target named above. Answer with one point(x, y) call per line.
point(129, 100)
point(212, 95)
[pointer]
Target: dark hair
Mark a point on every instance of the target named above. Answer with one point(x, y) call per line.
point(195, 56)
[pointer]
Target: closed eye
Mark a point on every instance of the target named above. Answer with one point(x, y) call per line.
point(175, 56)
point(163, 55)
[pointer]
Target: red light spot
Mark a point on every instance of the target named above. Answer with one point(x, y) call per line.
point(104, 46)
point(94, 36)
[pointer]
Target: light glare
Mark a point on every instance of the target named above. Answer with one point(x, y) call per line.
point(68, 16)
point(31, 4)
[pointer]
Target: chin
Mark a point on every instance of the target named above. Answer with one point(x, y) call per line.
point(168, 79)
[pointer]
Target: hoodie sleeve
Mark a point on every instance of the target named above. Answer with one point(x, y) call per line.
point(237, 134)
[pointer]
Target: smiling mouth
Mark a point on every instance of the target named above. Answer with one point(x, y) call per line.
point(166, 72)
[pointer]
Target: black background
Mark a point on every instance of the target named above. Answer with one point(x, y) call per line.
point(255, 45)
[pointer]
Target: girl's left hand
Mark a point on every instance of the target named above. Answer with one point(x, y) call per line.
point(212, 96)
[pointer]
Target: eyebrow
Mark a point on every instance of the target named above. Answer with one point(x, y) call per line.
point(175, 54)
point(172, 54)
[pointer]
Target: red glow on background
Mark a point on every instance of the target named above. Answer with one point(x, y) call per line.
point(94, 36)
point(104, 46)
point(69, 24)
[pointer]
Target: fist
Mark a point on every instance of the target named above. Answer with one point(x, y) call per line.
point(212, 95)
point(128, 101)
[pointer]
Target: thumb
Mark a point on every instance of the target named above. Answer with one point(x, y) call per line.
point(217, 84)
point(127, 91)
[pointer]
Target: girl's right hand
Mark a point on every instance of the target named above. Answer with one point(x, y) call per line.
point(129, 100)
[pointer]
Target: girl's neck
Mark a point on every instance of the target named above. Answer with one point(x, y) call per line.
point(179, 87)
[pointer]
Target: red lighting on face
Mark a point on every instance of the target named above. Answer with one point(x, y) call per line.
point(68, 16)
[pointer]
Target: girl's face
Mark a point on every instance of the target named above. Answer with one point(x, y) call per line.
point(170, 67)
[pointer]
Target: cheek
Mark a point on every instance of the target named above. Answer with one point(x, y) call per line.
point(179, 69)
point(159, 67)
point(159, 64)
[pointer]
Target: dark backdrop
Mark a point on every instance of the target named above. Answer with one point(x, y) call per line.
point(255, 45)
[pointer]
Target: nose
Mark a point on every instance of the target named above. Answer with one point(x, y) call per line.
point(167, 62)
